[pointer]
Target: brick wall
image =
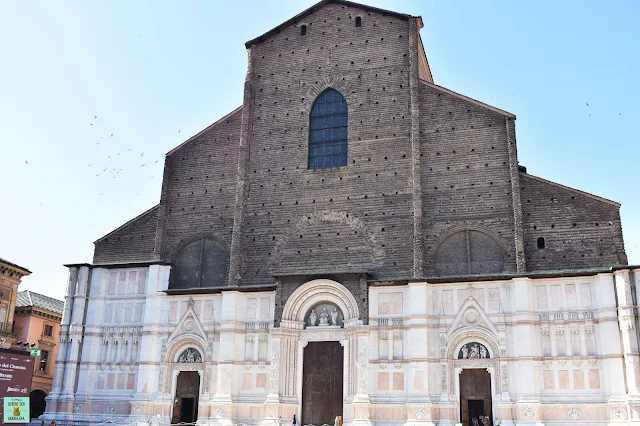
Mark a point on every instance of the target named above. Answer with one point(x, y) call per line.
point(580, 230)
point(133, 242)
point(421, 165)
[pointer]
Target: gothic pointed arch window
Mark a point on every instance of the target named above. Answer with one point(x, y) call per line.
point(328, 131)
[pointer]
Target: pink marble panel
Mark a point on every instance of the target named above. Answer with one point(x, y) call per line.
point(197, 307)
point(142, 281)
point(108, 313)
point(563, 379)
point(548, 378)
point(121, 380)
point(447, 301)
point(111, 289)
point(578, 379)
point(572, 297)
point(594, 379)
point(128, 312)
point(541, 294)
point(138, 312)
point(247, 378)
point(478, 295)
point(418, 380)
point(252, 307)
point(390, 303)
point(208, 310)
point(261, 380)
point(131, 380)
point(585, 295)
point(556, 296)
point(111, 381)
point(173, 311)
point(398, 381)
point(122, 283)
point(463, 295)
point(265, 309)
point(101, 381)
point(494, 299)
point(131, 284)
point(118, 316)
point(383, 381)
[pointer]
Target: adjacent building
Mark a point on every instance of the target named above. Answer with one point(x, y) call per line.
point(354, 240)
point(37, 321)
point(10, 277)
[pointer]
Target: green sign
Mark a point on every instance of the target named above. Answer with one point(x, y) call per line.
point(16, 409)
point(35, 352)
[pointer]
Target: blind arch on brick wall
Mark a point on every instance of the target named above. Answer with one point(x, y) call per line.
point(469, 252)
point(328, 130)
point(200, 263)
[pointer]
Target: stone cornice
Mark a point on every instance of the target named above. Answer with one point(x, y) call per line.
point(13, 271)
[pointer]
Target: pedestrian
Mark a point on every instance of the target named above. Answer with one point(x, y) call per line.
point(53, 423)
point(336, 422)
point(485, 421)
point(339, 420)
point(295, 422)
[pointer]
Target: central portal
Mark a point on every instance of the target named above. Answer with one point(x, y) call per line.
point(475, 396)
point(322, 376)
point(185, 405)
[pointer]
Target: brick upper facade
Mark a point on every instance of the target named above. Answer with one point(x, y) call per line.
point(432, 185)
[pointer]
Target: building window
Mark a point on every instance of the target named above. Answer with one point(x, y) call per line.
point(48, 330)
point(541, 243)
point(303, 30)
point(44, 361)
point(328, 131)
point(358, 21)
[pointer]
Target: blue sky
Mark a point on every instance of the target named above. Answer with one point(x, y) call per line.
point(156, 72)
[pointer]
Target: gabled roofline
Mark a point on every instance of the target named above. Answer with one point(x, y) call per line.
point(318, 6)
point(202, 131)
point(466, 98)
point(126, 223)
point(586, 194)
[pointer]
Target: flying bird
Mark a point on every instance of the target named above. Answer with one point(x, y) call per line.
point(90, 124)
point(156, 161)
point(26, 162)
point(143, 165)
point(587, 104)
point(95, 116)
point(111, 135)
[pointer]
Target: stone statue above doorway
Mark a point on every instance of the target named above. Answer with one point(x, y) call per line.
point(473, 350)
point(324, 314)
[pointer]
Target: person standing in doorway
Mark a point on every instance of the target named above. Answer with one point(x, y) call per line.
point(339, 420)
point(485, 421)
point(294, 422)
point(336, 422)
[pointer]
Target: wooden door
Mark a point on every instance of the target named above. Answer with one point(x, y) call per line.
point(475, 389)
point(185, 406)
point(322, 377)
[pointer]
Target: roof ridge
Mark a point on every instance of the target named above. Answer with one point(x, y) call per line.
point(29, 296)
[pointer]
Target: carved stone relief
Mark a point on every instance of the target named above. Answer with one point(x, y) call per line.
point(473, 350)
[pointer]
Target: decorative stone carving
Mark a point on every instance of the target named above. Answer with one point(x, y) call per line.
point(620, 413)
point(334, 317)
point(313, 318)
point(324, 317)
point(419, 413)
point(443, 376)
point(398, 365)
point(77, 408)
point(574, 413)
point(161, 380)
point(473, 350)
point(111, 409)
point(137, 409)
point(528, 413)
point(189, 356)
point(220, 412)
point(275, 366)
point(362, 366)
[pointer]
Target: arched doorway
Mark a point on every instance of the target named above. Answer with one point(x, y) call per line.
point(185, 403)
point(38, 403)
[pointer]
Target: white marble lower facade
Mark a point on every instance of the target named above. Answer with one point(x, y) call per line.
point(559, 350)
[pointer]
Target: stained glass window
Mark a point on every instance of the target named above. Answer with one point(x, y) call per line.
point(328, 131)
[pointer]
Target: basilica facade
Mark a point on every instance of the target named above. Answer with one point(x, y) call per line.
point(355, 241)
